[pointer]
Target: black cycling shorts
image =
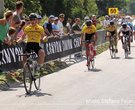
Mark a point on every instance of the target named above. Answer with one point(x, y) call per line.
point(32, 46)
point(125, 33)
point(89, 37)
point(112, 32)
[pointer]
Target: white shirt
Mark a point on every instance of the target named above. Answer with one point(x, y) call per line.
point(105, 23)
point(60, 25)
point(125, 30)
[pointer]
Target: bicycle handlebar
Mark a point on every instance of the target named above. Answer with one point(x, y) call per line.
point(27, 54)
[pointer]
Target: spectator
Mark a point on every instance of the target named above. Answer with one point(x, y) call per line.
point(106, 21)
point(69, 25)
point(94, 20)
point(55, 26)
point(60, 23)
point(17, 17)
point(17, 14)
point(39, 18)
point(4, 27)
point(76, 26)
point(85, 19)
point(48, 25)
point(20, 30)
point(8, 40)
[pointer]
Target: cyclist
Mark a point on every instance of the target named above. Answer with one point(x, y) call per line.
point(112, 31)
point(34, 33)
point(89, 34)
point(125, 30)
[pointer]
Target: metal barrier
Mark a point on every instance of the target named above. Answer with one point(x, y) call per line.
point(55, 48)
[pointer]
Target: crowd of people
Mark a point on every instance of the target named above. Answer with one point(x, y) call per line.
point(14, 28)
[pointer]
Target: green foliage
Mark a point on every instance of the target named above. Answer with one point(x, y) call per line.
point(71, 8)
point(99, 26)
point(29, 6)
point(103, 5)
point(132, 8)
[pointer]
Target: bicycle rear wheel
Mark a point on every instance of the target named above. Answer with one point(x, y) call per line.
point(92, 63)
point(36, 75)
point(112, 51)
point(27, 77)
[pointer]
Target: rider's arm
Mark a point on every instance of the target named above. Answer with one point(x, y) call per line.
point(21, 38)
point(82, 37)
point(119, 35)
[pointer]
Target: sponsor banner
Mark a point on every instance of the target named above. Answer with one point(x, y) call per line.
point(54, 48)
point(10, 57)
point(57, 48)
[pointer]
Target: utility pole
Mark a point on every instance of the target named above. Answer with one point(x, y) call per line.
point(1, 8)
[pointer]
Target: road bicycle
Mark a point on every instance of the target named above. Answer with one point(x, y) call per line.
point(90, 53)
point(126, 45)
point(112, 47)
point(30, 72)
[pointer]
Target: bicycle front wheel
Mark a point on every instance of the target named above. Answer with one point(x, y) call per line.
point(27, 78)
point(36, 75)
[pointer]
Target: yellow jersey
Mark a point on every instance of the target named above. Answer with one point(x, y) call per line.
point(111, 28)
point(34, 33)
point(89, 30)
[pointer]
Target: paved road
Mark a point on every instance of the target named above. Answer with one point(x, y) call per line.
point(111, 86)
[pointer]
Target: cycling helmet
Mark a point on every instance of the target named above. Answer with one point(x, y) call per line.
point(88, 22)
point(106, 16)
point(111, 22)
point(39, 16)
point(33, 16)
point(124, 25)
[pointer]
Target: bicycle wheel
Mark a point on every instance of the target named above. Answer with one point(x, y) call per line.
point(36, 75)
point(112, 53)
point(88, 63)
point(27, 78)
point(92, 63)
point(91, 57)
point(112, 50)
point(126, 50)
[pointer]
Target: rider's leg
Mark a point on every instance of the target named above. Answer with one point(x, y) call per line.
point(87, 52)
point(41, 56)
point(121, 37)
point(116, 42)
point(129, 42)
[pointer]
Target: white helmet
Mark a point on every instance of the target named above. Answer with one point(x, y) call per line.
point(86, 18)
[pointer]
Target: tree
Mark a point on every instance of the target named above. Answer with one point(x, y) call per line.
point(29, 5)
point(1, 8)
point(103, 5)
point(132, 8)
